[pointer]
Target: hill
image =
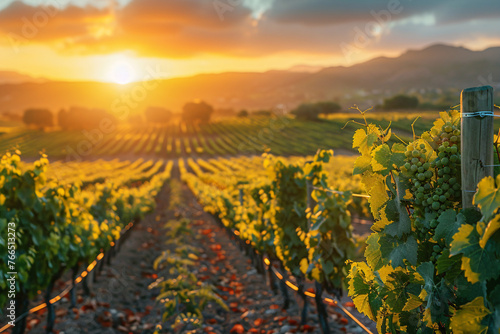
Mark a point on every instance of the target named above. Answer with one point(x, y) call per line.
point(433, 69)
point(11, 77)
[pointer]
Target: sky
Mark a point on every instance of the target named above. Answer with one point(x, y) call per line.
point(122, 40)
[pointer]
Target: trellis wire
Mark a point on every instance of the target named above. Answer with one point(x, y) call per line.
point(79, 279)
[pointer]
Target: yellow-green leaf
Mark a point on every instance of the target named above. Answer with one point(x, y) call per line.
point(487, 196)
point(492, 227)
point(363, 141)
point(469, 317)
point(412, 303)
point(362, 164)
point(381, 158)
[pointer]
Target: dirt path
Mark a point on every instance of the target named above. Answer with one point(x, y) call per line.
point(122, 303)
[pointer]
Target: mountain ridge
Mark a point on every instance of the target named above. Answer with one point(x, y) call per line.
point(438, 67)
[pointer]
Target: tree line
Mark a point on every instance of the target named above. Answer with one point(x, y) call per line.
point(78, 118)
point(312, 111)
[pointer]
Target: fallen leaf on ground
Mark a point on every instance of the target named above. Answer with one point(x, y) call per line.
point(238, 329)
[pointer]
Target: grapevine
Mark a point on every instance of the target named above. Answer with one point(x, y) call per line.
point(59, 225)
point(268, 209)
point(329, 238)
point(430, 266)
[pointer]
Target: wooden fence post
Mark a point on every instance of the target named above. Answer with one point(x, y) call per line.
point(240, 195)
point(476, 140)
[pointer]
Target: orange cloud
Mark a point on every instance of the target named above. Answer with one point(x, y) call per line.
point(196, 28)
point(149, 27)
point(29, 24)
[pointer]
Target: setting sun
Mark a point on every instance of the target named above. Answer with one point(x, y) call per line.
point(122, 73)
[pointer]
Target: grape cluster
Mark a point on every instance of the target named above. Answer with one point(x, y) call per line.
point(421, 173)
point(447, 165)
point(434, 183)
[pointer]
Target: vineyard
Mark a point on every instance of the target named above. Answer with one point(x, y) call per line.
point(225, 137)
point(428, 268)
point(399, 227)
point(86, 214)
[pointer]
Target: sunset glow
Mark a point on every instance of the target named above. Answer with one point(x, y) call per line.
point(84, 40)
point(122, 73)
point(294, 125)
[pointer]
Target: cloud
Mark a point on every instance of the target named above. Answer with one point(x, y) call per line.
point(173, 29)
point(457, 11)
point(328, 12)
point(238, 28)
point(332, 12)
point(163, 28)
point(48, 24)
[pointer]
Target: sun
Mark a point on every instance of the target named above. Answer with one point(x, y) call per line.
point(122, 73)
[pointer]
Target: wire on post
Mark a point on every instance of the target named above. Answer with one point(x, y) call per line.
point(328, 300)
point(69, 284)
point(483, 113)
point(340, 192)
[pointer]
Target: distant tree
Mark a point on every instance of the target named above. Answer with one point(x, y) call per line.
point(307, 112)
point(63, 119)
point(135, 119)
point(40, 118)
point(328, 107)
point(197, 112)
point(78, 118)
point(229, 112)
point(265, 113)
point(401, 102)
point(11, 116)
point(243, 113)
point(446, 101)
point(158, 115)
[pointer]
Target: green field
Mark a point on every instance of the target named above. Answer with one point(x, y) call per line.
point(230, 137)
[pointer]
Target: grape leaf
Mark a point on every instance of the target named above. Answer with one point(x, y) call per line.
point(468, 291)
point(495, 296)
point(408, 322)
point(362, 164)
point(438, 297)
point(363, 141)
point(382, 222)
point(476, 261)
point(397, 250)
point(487, 196)
point(398, 214)
point(493, 226)
point(426, 270)
point(398, 154)
point(375, 187)
point(472, 215)
point(449, 223)
point(381, 158)
point(398, 228)
point(412, 302)
point(372, 252)
point(449, 265)
point(469, 317)
point(395, 281)
point(362, 290)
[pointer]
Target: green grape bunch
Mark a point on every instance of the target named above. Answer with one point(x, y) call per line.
point(432, 165)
